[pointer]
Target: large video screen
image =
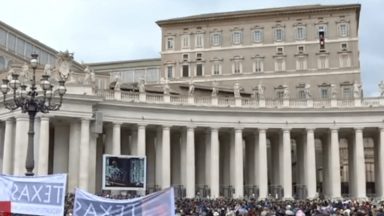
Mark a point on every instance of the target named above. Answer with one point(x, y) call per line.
point(124, 172)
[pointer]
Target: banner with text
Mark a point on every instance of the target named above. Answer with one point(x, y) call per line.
point(161, 203)
point(34, 195)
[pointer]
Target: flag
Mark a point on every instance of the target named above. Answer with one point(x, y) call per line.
point(161, 203)
point(33, 195)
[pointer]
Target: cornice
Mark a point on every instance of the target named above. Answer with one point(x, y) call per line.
point(309, 9)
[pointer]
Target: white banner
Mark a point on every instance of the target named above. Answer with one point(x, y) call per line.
point(34, 195)
point(161, 203)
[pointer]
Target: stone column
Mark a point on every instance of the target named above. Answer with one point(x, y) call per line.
point(379, 162)
point(359, 162)
point(84, 155)
point(215, 166)
point(21, 143)
point(116, 139)
point(166, 158)
point(74, 148)
point(310, 164)
point(334, 169)
point(190, 162)
point(262, 174)
point(43, 162)
point(286, 168)
point(239, 172)
point(8, 147)
point(141, 142)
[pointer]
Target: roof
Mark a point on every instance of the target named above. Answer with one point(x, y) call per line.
point(260, 12)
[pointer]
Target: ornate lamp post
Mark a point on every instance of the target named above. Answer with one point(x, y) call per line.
point(30, 102)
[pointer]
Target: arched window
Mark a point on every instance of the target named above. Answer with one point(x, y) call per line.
point(2, 63)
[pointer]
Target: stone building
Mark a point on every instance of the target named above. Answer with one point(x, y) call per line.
point(247, 103)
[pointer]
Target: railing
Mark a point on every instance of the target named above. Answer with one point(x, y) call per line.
point(154, 98)
point(179, 99)
point(239, 102)
point(224, 101)
point(322, 103)
point(129, 96)
point(203, 100)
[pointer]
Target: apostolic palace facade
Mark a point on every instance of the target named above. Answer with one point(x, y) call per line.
point(265, 102)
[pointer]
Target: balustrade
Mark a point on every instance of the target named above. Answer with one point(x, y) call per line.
point(243, 102)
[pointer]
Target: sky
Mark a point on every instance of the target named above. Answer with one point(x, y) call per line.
point(113, 30)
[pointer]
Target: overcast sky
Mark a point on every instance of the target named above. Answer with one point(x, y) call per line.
point(112, 30)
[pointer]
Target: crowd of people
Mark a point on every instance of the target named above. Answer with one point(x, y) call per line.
point(268, 207)
point(251, 207)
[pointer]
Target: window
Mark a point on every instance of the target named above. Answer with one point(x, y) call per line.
point(185, 71)
point(279, 50)
point(199, 56)
point(236, 67)
point(322, 28)
point(216, 39)
point(258, 36)
point(344, 47)
point(185, 57)
point(322, 62)
point(345, 60)
point(258, 65)
point(11, 42)
point(347, 92)
point(216, 68)
point(199, 40)
point(300, 33)
point(169, 72)
point(3, 37)
point(343, 29)
point(324, 93)
point(301, 94)
point(20, 47)
point(280, 94)
point(279, 64)
point(279, 34)
point(2, 63)
point(170, 43)
point(236, 37)
point(185, 41)
point(300, 49)
point(199, 69)
point(301, 63)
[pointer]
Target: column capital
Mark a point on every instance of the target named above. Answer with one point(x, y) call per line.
point(334, 128)
point(262, 129)
point(85, 119)
point(190, 127)
point(286, 129)
point(166, 127)
point(117, 124)
point(44, 118)
point(310, 129)
point(358, 129)
point(22, 117)
point(214, 128)
point(141, 124)
point(237, 129)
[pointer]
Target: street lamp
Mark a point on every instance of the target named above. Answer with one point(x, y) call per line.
point(30, 102)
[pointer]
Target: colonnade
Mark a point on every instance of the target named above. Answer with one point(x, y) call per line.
point(197, 155)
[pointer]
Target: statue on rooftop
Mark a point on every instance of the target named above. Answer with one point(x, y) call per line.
point(191, 89)
point(141, 86)
point(381, 87)
point(64, 64)
point(236, 90)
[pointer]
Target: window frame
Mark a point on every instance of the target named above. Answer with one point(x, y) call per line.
point(216, 39)
point(237, 37)
point(199, 37)
point(170, 41)
point(254, 36)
